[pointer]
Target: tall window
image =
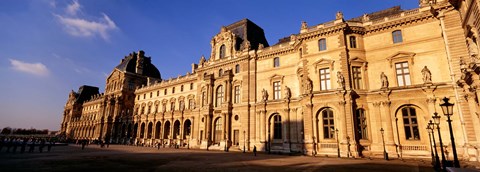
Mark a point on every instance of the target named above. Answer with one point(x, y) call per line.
point(218, 103)
point(325, 79)
point(277, 127)
point(222, 51)
point(328, 124)
point(165, 92)
point(158, 93)
point(151, 94)
point(173, 90)
point(277, 90)
point(172, 106)
point(403, 74)
point(397, 36)
point(276, 62)
point(204, 98)
point(191, 86)
point(353, 42)
point(148, 110)
point(143, 110)
point(361, 122)
point(191, 104)
point(322, 44)
point(410, 123)
point(218, 131)
point(237, 94)
point(181, 88)
point(357, 77)
point(237, 68)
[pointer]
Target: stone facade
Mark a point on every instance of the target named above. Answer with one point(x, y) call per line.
point(329, 89)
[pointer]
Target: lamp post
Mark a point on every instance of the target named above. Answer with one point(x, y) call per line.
point(436, 121)
point(447, 109)
point(244, 141)
point(430, 131)
point(338, 142)
point(437, 159)
point(385, 154)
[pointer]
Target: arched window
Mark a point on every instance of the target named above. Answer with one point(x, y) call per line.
point(277, 127)
point(237, 68)
point(322, 44)
point(222, 51)
point(218, 131)
point(361, 124)
point(397, 36)
point(328, 123)
point(219, 101)
point(410, 123)
point(276, 62)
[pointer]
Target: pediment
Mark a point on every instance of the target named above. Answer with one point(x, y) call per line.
point(401, 56)
point(323, 62)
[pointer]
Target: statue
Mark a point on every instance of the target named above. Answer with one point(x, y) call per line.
point(384, 80)
point(366, 18)
point(164, 108)
point(172, 108)
point(339, 15)
point(260, 46)
point(427, 75)
point(182, 105)
point(472, 49)
point(264, 95)
point(304, 25)
point(308, 86)
point(202, 60)
point(463, 65)
point(288, 93)
point(246, 45)
point(340, 80)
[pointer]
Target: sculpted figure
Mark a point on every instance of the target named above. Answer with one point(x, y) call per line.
point(264, 95)
point(308, 86)
point(247, 45)
point(288, 93)
point(463, 65)
point(427, 75)
point(366, 17)
point(384, 80)
point(472, 49)
point(304, 25)
point(202, 60)
point(339, 15)
point(340, 80)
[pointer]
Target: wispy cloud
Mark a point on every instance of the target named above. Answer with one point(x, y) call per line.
point(73, 8)
point(38, 69)
point(83, 27)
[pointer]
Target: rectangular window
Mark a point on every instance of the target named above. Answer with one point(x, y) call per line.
point(276, 62)
point(357, 77)
point(328, 124)
point(204, 98)
point(322, 44)
point(403, 74)
point(237, 68)
point(165, 92)
point(173, 90)
point(325, 79)
point(353, 42)
point(191, 86)
point(410, 123)
point(151, 94)
point(237, 94)
point(191, 104)
point(277, 90)
point(361, 122)
point(397, 36)
point(158, 93)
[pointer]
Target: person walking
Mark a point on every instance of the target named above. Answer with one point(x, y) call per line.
point(254, 150)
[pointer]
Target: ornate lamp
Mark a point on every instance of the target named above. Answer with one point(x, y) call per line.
point(436, 121)
point(447, 109)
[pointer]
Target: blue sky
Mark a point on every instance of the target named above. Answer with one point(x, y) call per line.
point(49, 47)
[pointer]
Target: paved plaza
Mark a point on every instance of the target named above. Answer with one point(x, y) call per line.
point(131, 158)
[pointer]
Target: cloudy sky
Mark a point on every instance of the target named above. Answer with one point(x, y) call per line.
point(49, 47)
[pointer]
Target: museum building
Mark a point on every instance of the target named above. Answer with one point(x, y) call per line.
point(348, 87)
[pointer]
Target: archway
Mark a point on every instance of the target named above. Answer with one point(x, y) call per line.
point(157, 130)
point(135, 130)
point(149, 131)
point(186, 128)
point(176, 129)
point(218, 131)
point(166, 130)
point(142, 131)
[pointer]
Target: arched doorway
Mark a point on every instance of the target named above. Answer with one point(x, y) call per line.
point(142, 131)
point(176, 129)
point(149, 131)
point(218, 131)
point(157, 130)
point(275, 133)
point(166, 130)
point(186, 128)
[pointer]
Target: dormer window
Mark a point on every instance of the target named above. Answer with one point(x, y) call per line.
point(222, 51)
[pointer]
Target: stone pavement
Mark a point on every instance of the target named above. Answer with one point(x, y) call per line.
point(131, 158)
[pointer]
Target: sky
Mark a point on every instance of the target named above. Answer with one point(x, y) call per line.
point(50, 47)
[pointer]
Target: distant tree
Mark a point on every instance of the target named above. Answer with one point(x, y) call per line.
point(6, 130)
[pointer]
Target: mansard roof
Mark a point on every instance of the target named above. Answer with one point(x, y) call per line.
point(129, 63)
point(85, 92)
point(247, 30)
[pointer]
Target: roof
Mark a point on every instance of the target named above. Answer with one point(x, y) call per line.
point(129, 63)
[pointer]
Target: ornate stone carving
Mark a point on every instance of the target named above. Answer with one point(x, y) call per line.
point(427, 75)
point(384, 80)
point(340, 80)
point(308, 85)
point(288, 93)
point(304, 25)
point(339, 15)
point(264, 95)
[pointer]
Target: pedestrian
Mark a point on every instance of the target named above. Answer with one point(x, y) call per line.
point(15, 145)
point(24, 145)
point(42, 145)
point(9, 144)
point(254, 150)
point(49, 146)
point(32, 146)
point(2, 143)
point(83, 144)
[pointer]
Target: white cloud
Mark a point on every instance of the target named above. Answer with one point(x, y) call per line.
point(32, 68)
point(82, 27)
point(73, 8)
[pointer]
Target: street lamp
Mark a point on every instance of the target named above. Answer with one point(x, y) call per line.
point(429, 130)
point(436, 121)
point(244, 141)
point(447, 109)
point(385, 154)
point(338, 142)
point(431, 126)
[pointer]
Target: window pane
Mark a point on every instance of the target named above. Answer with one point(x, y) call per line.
point(400, 81)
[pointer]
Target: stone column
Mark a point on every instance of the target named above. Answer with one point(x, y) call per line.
point(376, 124)
point(262, 126)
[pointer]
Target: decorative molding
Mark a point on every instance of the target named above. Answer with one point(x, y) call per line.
point(401, 56)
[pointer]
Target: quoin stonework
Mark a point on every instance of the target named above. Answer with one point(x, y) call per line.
point(331, 87)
